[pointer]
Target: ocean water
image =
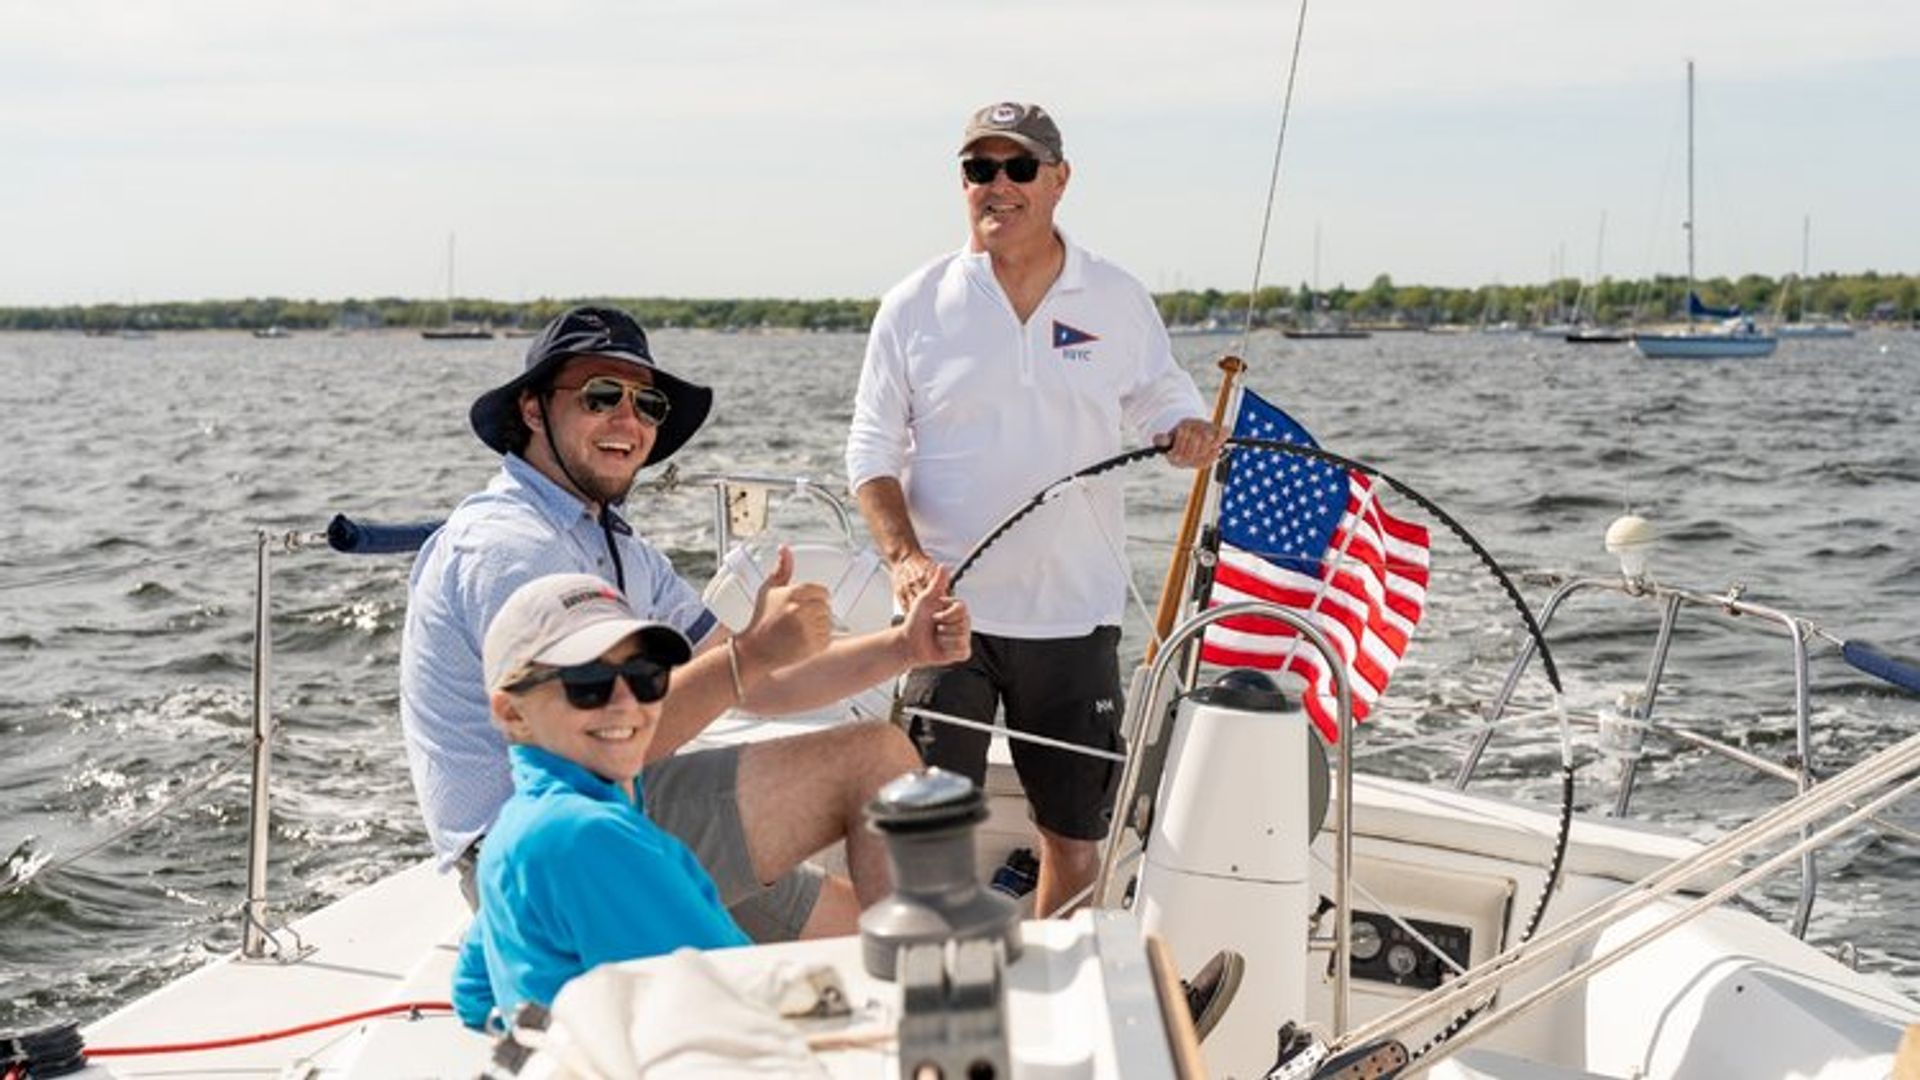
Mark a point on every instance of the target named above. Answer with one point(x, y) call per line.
point(138, 473)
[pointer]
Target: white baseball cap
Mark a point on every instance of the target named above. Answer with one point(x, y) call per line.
point(566, 619)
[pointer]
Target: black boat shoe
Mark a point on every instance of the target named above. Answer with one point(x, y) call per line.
point(1211, 990)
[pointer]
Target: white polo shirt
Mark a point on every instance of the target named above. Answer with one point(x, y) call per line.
point(974, 413)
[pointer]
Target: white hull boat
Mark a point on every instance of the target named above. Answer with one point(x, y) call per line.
point(1814, 330)
point(1704, 346)
point(1383, 920)
point(1736, 336)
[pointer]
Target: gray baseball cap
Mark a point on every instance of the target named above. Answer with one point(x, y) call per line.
point(566, 619)
point(1028, 125)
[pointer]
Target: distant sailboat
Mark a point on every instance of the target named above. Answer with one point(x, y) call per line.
point(1492, 319)
point(1587, 328)
point(1321, 325)
point(1550, 317)
point(449, 331)
point(1736, 335)
point(1818, 326)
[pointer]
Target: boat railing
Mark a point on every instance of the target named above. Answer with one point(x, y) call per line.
point(1637, 709)
point(741, 502)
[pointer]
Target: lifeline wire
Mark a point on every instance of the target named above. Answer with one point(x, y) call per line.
point(1119, 556)
point(1449, 735)
point(62, 577)
point(1387, 910)
point(175, 800)
point(1017, 736)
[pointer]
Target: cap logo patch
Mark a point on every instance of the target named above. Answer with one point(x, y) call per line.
point(1004, 113)
point(583, 596)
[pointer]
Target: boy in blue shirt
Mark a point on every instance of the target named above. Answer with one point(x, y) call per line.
point(573, 874)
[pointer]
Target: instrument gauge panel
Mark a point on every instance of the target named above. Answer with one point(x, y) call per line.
point(1383, 950)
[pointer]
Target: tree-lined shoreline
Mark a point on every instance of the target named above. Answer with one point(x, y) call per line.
point(1861, 297)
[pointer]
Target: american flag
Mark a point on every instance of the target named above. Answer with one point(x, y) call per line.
point(1312, 536)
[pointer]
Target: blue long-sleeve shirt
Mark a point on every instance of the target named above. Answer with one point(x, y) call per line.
point(574, 875)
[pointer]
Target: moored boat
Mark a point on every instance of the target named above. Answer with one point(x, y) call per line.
point(1736, 335)
point(1734, 342)
point(1814, 330)
point(1325, 334)
point(452, 330)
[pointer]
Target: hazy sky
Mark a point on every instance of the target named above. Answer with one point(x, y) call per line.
point(174, 149)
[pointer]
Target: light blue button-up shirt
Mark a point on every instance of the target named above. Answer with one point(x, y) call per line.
point(523, 526)
point(572, 876)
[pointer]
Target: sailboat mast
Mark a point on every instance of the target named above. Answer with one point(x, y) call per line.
point(1316, 258)
point(449, 279)
point(1689, 195)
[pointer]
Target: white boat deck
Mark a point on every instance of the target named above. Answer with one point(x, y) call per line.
point(368, 950)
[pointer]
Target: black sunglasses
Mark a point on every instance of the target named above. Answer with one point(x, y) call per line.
point(590, 685)
point(603, 394)
point(982, 170)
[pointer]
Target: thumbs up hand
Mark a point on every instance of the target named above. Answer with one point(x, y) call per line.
point(790, 622)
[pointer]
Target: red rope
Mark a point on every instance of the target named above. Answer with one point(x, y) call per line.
point(269, 1036)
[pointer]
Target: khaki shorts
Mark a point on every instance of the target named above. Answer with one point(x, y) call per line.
point(694, 796)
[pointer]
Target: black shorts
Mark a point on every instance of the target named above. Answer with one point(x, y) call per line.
point(1063, 688)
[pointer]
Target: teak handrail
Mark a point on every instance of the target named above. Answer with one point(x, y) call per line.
point(1174, 585)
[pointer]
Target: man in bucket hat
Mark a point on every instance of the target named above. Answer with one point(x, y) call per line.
point(588, 411)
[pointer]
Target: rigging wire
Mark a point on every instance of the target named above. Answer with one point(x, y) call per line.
point(1273, 179)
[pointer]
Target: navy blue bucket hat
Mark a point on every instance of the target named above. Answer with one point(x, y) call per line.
point(592, 331)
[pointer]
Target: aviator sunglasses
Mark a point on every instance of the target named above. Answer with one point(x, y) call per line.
point(980, 170)
point(590, 685)
point(603, 394)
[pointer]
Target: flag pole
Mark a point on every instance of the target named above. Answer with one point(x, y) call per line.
point(1172, 589)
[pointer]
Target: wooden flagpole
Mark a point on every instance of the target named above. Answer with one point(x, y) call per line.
point(1173, 589)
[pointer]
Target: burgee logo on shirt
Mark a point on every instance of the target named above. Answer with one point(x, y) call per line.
point(1065, 337)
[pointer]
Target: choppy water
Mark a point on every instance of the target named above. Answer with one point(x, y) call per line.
point(1798, 476)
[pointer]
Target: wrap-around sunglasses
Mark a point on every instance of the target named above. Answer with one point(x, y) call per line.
point(981, 170)
point(590, 685)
